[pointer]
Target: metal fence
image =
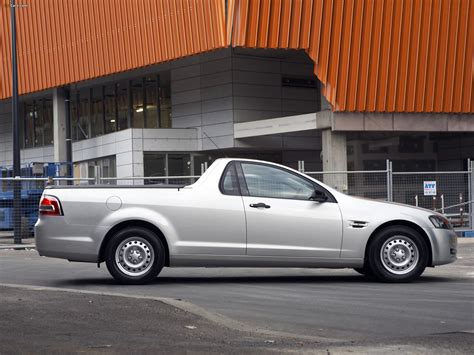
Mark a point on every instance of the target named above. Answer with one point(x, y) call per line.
point(448, 192)
point(452, 194)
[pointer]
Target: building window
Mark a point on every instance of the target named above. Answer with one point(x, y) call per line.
point(110, 108)
point(83, 110)
point(165, 101)
point(152, 102)
point(97, 112)
point(139, 103)
point(97, 168)
point(37, 123)
point(123, 100)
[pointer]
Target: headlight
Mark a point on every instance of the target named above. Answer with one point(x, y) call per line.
point(440, 222)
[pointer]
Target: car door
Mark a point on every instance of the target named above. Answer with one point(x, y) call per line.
point(211, 221)
point(281, 218)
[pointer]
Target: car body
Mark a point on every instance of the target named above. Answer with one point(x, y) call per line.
point(240, 213)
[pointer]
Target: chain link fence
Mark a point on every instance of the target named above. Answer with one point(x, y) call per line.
point(448, 192)
point(369, 184)
point(451, 197)
point(452, 194)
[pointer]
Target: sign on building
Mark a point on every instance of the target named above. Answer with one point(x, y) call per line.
point(429, 188)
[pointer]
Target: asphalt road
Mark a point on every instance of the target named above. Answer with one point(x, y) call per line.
point(333, 304)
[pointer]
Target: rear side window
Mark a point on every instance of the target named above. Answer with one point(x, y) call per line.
point(229, 182)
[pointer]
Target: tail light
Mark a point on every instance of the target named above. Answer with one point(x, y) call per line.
point(50, 206)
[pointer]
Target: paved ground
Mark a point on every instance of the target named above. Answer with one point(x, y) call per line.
point(311, 306)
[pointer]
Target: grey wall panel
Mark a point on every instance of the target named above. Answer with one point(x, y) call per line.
point(212, 118)
point(185, 85)
point(214, 55)
point(218, 91)
point(298, 106)
point(223, 142)
point(257, 103)
point(221, 104)
point(186, 72)
point(186, 97)
point(297, 69)
point(187, 121)
point(218, 130)
point(187, 109)
point(258, 78)
point(253, 115)
point(254, 90)
point(216, 66)
point(300, 93)
point(262, 65)
point(215, 79)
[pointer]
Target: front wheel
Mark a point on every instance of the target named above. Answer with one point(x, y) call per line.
point(134, 256)
point(398, 254)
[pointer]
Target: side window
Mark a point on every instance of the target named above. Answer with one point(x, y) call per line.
point(229, 181)
point(267, 181)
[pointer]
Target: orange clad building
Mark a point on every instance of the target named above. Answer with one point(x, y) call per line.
point(382, 56)
point(339, 84)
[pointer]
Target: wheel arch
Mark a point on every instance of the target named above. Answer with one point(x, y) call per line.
point(400, 222)
point(134, 223)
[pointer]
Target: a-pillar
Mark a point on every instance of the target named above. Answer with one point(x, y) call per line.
point(59, 125)
point(334, 156)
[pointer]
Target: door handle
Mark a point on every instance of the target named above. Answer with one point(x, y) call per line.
point(259, 205)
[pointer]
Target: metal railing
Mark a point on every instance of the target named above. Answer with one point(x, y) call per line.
point(453, 196)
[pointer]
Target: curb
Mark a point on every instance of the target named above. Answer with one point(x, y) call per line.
point(17, 246)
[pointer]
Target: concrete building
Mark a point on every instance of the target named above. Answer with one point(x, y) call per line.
point(236, 93)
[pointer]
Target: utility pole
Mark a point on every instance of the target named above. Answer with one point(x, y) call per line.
point(16, 136)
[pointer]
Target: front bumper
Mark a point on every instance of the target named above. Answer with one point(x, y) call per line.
point(444, 243)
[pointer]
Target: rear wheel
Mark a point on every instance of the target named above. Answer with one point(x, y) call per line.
point(398, 254)
point(134, 255)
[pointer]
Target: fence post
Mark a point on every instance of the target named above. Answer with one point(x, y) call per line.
point(301, 166)
point(470, 195)
point(389, 181)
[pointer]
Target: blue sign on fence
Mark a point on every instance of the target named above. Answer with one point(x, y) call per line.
point(429, 188)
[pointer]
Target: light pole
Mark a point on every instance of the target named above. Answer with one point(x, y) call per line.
point(16, 138)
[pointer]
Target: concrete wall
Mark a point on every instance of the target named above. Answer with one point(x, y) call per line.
point(216, 89)
point(128, 147)
point(201, 97)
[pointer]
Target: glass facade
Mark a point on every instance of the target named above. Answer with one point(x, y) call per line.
point(37, 123)
point(139, 103)
point(97, 168)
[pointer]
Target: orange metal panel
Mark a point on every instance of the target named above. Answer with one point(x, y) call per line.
point(295, 24)
point(62, 42)
point(374, 55)
point(264, 17)
point(370, 55)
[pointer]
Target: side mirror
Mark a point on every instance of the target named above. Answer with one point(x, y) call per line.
point(318, 196)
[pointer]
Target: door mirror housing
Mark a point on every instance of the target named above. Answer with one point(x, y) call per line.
point(318, 196)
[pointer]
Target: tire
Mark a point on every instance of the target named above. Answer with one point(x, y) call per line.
point(364, 271)
point(134, 256)
point(398, 254)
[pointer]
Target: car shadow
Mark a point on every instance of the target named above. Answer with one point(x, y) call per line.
point(252, 280)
